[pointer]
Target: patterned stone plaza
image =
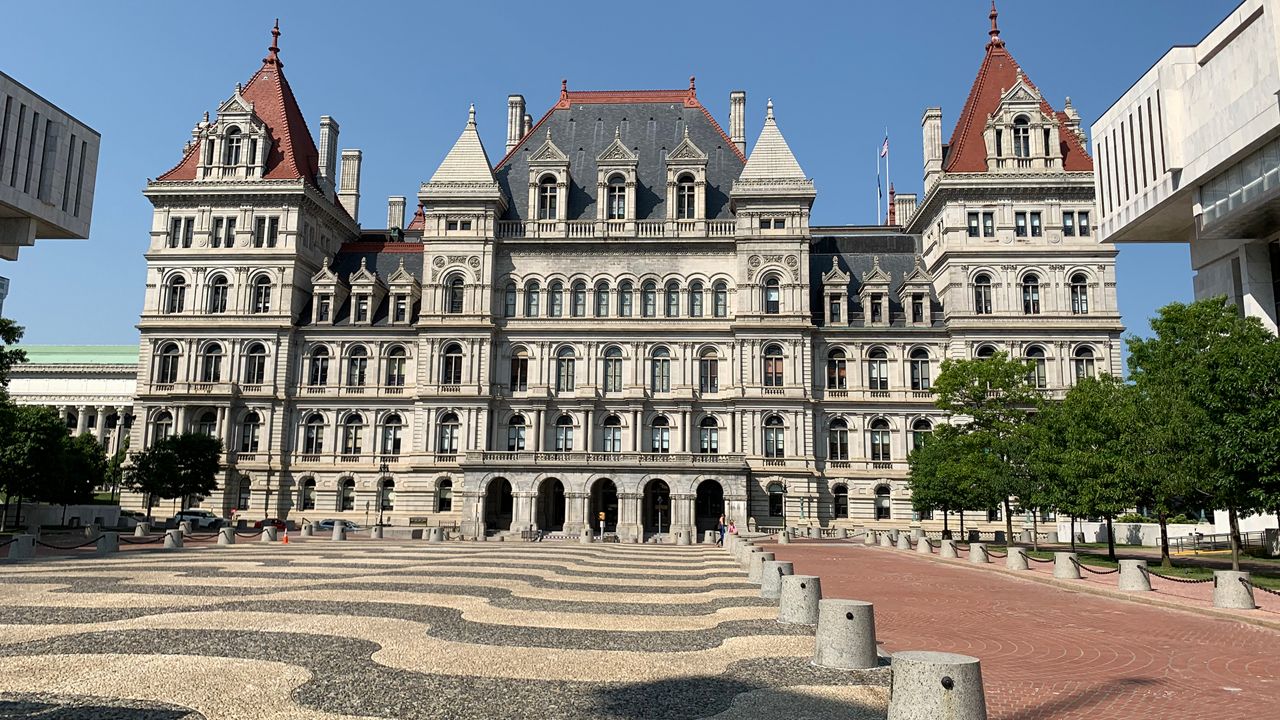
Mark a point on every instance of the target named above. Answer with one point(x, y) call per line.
point(389, 629)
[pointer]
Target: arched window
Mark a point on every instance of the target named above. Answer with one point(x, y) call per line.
point(673, 299)
point(387, 494)
point(686, 198)
point(613, 369)
point(626, 295)
point(519, 370)
point(555, 299)
point(353, 434)
point(319, 372)
point(985, 352)
point(451, 365)
point(920, 369)
point(1083, 362)
point(660, 371)
point(347, 495)
point(777, 500)
point(392, 431)
point(532, 293)
point(880, 435)
point(207, 424)
point(453, 305)
point(920, 431)
point(772, 296)
point(397, 359)
point(720, 304)
point(840, 502)
point(774, 437)
point(1021, 137)
point(566, 364)
point(308, 499)
point(515, 433)
point(982, 294)
point(250, 428)
point(1079, 294)
point(261, 295)
point(219, 291)
point(579, 306)
point(602, 300)
point(660, 435)
point(617, 195)
point(246, 492)
point(176, 300)
point(695, 299)
point(211, 363)
point(162, 426)
point(231, 146)
point(649, 299)
point(877, 369)
point(883, 511)
point(564, 434)
point(838, 440)
point(709, 436)
point(548, 198)
point(313, 435)
point(357, 366)
point(167, 364)
point(444, 496)
point(1037, 377)
point(509, 301)
point(837, 370)
point(612, 434)
point(1031, 294)
point(255, 364)
point(709, 371)
point(447, 435)
point(773, 373)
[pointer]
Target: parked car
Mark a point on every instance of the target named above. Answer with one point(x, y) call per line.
point(199, 519)
point(328, 523)
point(277, 523)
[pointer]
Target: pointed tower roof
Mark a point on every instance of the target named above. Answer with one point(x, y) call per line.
point(467, 160)
point(1000, 72)
point(771, 157)
point(293, 153)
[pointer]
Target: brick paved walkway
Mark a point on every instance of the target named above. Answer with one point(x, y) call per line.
point(1048, 652)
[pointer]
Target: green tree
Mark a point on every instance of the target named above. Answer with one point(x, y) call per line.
point(10, 334)
point(31, 451)
point(84, 467)
point(992, 398)
point(1229, 367)
point(115, 468)
point(178, 466)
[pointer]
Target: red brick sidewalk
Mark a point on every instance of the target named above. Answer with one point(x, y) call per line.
point(1049, 652)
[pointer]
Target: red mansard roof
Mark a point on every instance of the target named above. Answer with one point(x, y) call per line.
point(999, 72)
point(293, 153)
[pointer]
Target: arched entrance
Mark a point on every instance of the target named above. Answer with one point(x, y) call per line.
point(498, 505)
point(708, 505)
point(604, 499)
point(657, 507)
point(550, 516)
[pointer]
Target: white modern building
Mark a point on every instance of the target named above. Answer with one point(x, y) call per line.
point(91, 386)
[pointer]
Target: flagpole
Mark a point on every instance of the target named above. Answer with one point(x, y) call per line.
point(877, 186)
point(887, 199)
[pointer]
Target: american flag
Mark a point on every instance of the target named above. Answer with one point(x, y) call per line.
point(884, 149)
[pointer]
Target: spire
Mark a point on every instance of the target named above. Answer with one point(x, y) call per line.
point(893, 207)
point(471, 115)
point(564, 89)
point(693, 90)
point(467, 161)
point(768, 110)
point(994, 32)
point(771, 157)
point(273, 52)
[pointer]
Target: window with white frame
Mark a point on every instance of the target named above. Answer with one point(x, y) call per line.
point(613, 370)
point(211, 363)
point(877, 369)
point(920, 369)
point(660, 435)
point(773, 371)
point(451, 365)
point(837, 370)
point(176, 300)
point(250, 429)
point(1031, 294)
point(982, 294)
point(660, 371)
point(555, 299)
point(266, 230)
point(602, 300)
point(353, 434)
point(207, 424)
point(579, 306)
point(686, 198)
point(455, 296)
point(626, 294)
point(392, 431)
point(1079, 294)
point(880, 441)
point(921, 429)
point(649, 299)
point(509, 301)
point(357, 366)
point(515, 433)
point(612, 438)
point(566, 364)
point(1083, 362)
point(673, 299)
point(720, 294)
point(447, 434)
point(774, 437)
point(318, 374)
point(709, 372)
point(617, 198)
point(564, 434)
point(313, 435)
point(838, 440)
point(1037, 377)
point(261, 301)
point(519, 375)
point(548, 198)
point(709, 436)
point(219, 292)
point(772, 296)
point(695, 299)
point(397, 359)
point(532, 292)
point(255, 364)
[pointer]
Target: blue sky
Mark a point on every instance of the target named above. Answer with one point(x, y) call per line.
point(399, 78)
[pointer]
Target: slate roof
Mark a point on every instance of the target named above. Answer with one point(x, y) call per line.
point(857, 250)
point(650, 122)
point(380, 256)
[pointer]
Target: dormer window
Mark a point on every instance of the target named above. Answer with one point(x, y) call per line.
point(548, 198)
point(877, 308)
point(400, 309)
point(617, 198)
point(324, 305)
point(1021, 137)
point(362, 308)
point(686, 198)
point(917, 308)
point(231, 147)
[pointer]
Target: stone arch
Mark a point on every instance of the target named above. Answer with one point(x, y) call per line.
point(604, 499)
point(550, 506)
point(708, 505)
point(499, 504)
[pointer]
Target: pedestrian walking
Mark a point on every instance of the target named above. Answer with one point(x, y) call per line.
point(720, 526)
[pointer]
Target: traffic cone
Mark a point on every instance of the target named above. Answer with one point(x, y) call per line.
point(286, 537)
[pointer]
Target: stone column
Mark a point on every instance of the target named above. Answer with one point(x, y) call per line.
point(629, 515)
point(523, 512)
point(100, 424)
point(82, 419)
point(682, 514)
point(575, 512)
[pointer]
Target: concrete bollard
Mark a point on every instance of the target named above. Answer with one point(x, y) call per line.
point(185, 526)
point(375, 532)
point(227, 536)
point(1017, 559)
point(886, 540)
point(308, 530)
point(917, 533)
point(1231, 589)
point(868, 537)
point(936, 686)
point(173, 540)
point(798, 599)
point(1133, 576)
point(91, 530)
point(584, 537)
point(757, 563)
point(947, 548)
point(922, 546)
point(436, 535)
point(142, 530)
point(270, 533)
point(771, 574)
point(784, 539)
point(978, 554)
point(846, 635)
point(1065, 566)
point(814, 532)
point(1051, 537)
point(339, 531)
point(710, 537)
point(904, 542)
point(682, 538)
point(747, 552)
point(108, 542)
point(23, 547)
point(1025, 537)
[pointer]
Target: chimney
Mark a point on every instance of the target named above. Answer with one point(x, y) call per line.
point(528, 125)
point(515, 120)
point(738, 120)
point(328, 154)
point(904, 206)
point(892, 220)
point(932, 128)
point(395, 212)
point(349, 190)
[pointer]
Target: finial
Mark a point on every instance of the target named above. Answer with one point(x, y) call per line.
point(471, 115)
point(564, 88)
point(273, 52)
point(995, 28)
point(875, 262)
point(362, 263)
point(206, 113)
point(617, 132)
point(768, 112)
point(239, 88)
point(693, 90)
point(686, 131)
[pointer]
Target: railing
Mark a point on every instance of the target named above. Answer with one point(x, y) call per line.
point(602, 458)
point(1216, 541)
point(591, 229)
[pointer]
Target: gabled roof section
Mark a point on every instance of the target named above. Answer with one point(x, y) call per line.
point(771, 158)
point(467, 161)
point(835, 276)
point(967, 151)
point(325, 275)
point(617, 153)
point(549, 152)
point(293, 153)
point(876, 275)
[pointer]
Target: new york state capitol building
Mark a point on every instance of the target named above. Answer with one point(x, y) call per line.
point(628, 312)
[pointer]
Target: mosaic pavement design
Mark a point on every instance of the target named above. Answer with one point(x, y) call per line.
point(318, 630)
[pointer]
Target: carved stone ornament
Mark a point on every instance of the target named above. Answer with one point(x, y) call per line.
point(438, 261)
point(474, 262)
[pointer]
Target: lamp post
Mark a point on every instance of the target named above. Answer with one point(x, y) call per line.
point(383, 469)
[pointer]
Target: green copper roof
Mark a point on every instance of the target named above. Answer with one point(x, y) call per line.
point(81, 354)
